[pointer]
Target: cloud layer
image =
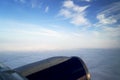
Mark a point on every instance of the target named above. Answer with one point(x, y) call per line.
point(26, 37)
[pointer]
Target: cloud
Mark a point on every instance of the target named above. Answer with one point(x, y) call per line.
point(30, 29)
point(17, 36)
point(66, 13)
point(112, 32)
point(30, 3)
point(22, 1)
point(112, 8)
point(106, 20)
point(35, 3)
point(23, 36)
point(79, 20)
point(47, 9)
point(110, 14)
point(86, 0)
point(68, 4)
point(107, 31)
point(76, 14)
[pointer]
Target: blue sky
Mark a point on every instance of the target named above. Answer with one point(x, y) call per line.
point(33, 25)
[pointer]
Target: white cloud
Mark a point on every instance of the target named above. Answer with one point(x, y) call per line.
point(107, 32)
point(106, 20)
point(31, 29)
point(26, 37)
point(22, 1)
point(86, 0)
point(110, 14)
point(80, 9)
point(112, 8)
point(108, 23)
point(79, 20)
point(66, 13)
point(35, 3)
point(30, 3)
point(75, 13)
point(47, 9)
point(68, 4)
point(112, 32)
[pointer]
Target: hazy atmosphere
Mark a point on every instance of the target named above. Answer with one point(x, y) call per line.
point(33, 30)
point(37, 25)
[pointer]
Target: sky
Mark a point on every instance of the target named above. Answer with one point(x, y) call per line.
point(37, 25)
